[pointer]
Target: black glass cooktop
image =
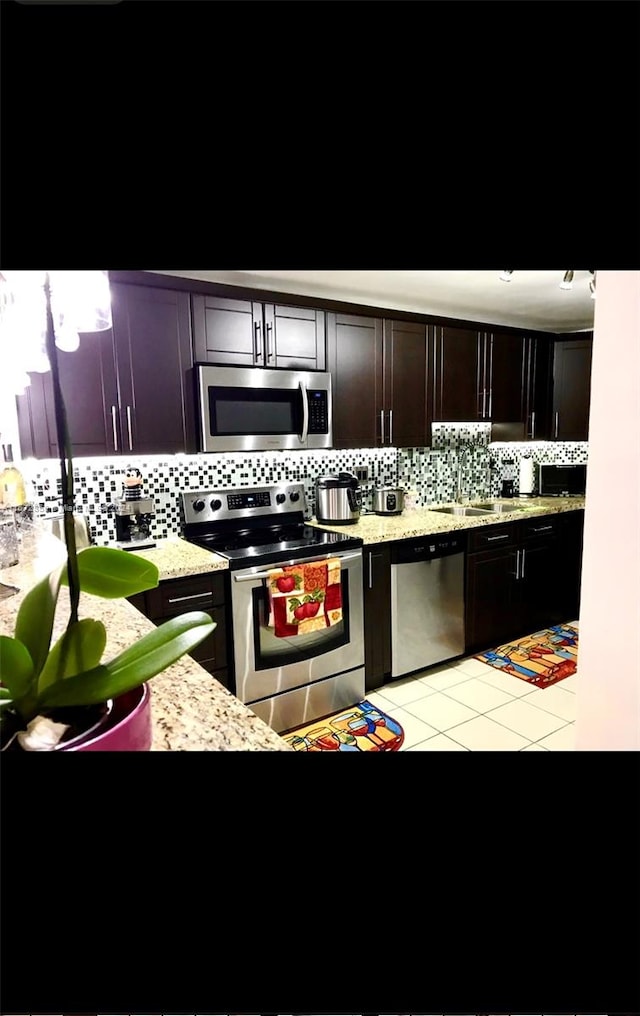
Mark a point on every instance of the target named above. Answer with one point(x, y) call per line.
point(272, 544)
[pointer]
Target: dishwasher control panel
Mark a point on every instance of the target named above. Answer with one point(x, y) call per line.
point(428, 547)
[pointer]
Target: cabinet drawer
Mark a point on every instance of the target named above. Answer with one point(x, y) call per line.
point(492, 537)
point(535, 529)
point(177, 596)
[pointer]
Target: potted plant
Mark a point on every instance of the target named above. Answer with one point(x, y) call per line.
point(45, 687)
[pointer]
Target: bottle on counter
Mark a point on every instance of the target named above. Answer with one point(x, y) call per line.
point(12, 487)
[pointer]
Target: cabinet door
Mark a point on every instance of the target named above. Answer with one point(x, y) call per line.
point(152, 330)
point(405, 384)
point(377, 615)
point(571, 389)
point(539, 586)
point(294, 337)
point(491, 598)
point(89, 390)
point(227, 331)
point(507, 378)
point(570, 564)
point(457, 387)
point(354, 348)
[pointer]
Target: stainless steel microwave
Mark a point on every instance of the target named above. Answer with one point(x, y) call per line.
point(244, 409)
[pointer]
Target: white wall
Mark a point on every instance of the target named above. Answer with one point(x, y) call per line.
point(608, 696)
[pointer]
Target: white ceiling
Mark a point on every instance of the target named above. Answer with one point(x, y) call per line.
point(530, 300)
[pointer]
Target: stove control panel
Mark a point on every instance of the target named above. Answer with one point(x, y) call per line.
point(242, 502)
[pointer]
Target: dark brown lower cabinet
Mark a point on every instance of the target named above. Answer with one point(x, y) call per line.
point(377, 614)
point(196, 592)
point(522, 577)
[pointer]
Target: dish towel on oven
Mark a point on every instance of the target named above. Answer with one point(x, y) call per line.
point(304, 597)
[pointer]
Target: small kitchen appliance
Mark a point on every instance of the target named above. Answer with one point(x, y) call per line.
point(388, 500)
point(338, 499)
point(133, 515)
point(293, 680)
point(561, 479)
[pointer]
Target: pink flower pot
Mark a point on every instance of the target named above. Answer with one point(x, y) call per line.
point(125, 727)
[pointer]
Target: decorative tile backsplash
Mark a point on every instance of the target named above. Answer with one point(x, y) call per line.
point(432, 472)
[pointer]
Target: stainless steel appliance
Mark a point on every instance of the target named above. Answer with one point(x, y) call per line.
point(388, 500)
point(338, 499)
point(561, 479)
point(291, 680)
point(427, 602)
point(249, 409)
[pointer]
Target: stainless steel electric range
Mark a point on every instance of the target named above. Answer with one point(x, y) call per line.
point(290, 680)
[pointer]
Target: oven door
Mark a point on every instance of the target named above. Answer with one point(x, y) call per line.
point(248, 409)
point(268, 665)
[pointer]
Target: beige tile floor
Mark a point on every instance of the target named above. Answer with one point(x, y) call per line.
point(468, 706)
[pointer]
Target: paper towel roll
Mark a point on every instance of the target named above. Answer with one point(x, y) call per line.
point(527, 477)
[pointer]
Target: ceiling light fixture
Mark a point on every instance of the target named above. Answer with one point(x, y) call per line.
point(506, 276)
point(567, 282)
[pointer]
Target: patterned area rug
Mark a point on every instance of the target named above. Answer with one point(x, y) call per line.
point(543, 658)
point(359, 728)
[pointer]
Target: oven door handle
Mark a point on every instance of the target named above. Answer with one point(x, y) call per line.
point(307, 560)
point(305, 414)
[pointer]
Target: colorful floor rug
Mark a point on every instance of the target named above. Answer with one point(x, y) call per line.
point(359, 728)
point(543, 658)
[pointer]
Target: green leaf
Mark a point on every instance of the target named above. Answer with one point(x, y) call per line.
point(80, 648)
point(34, 622)
point(16, 667)
point(111, 573)
point(149, 656)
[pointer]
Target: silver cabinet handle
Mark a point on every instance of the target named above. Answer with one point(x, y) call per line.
point(522, 572)
point(115, 432)
point(382, 424)
point(258, 344)
point(194, 596)
point(129, 428)
point(541, 529)
point(370, 571)
point(490, 402)
point(517, 565)
point(391, 426)
point(556, 433)
point(490, 539)
point(533, 426)
point(269, 329)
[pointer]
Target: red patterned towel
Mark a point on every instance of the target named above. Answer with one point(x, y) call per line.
point(305, 597)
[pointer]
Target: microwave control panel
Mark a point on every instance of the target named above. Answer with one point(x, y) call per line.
point(318, 412)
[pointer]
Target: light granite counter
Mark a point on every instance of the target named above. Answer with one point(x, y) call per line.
point(176, 558)
point(191, 711)
point(426, 522)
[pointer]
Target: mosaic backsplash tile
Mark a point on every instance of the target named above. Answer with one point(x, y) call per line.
point(461, 456)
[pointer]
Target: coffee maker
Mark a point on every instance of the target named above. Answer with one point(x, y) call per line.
point(133, 514)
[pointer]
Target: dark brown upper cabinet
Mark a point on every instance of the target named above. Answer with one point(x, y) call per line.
point(127, 390)
point(571, 388)
point(379, 379)
point(490, 376)
point(250, 334)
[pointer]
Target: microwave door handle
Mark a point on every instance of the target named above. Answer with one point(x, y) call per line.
point(305, 414)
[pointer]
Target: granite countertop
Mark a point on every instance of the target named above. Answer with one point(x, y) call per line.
point(191, 711)
point(425, 522)
point(175, 558)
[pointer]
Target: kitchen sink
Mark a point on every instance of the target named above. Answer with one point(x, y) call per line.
point(460, 509)
point(498, 507)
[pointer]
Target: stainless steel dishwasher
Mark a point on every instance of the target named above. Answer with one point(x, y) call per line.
point(427, 602)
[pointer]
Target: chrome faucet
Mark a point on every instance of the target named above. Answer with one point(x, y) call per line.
point(463, 456)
